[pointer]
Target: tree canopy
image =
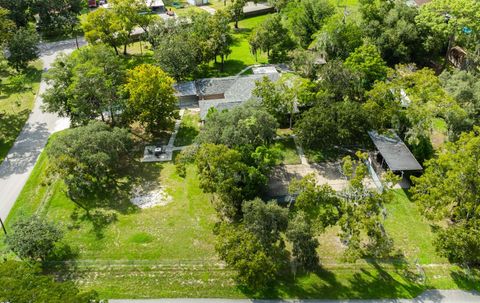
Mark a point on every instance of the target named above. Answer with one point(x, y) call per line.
point(151, 97)
point(86, 85)
point(448, 189)
point(246, 125)
point(222, 171)
point(90, 159)
point(33, 238)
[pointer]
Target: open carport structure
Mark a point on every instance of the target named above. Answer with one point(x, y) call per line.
point(392, 153)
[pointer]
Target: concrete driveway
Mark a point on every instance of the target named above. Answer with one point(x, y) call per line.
point(18, 164)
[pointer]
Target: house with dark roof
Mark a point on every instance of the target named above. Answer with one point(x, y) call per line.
point(219, 93)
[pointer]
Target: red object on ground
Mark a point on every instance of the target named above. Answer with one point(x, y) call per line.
point(92, 3)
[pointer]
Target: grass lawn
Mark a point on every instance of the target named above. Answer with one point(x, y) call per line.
point(168, 251)
point(218, 4)
point(241, 57)
point(15, 106)
point(286, 147)
point(439, 133)
point(189, 129)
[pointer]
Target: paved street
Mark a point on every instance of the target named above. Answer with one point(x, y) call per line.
point(430, 296)
point(17, 166)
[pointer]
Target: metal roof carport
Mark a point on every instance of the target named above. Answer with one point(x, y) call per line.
point(396, 154)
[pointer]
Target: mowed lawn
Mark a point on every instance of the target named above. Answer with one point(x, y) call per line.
point(15, 106)
point(168, 251)
point(189, 128)
point(241, 55)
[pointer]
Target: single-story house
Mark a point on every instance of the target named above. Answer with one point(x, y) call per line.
point(393, 154)
point(220, 93)
point(233, 91)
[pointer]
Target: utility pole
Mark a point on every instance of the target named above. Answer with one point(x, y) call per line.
point(3, 226)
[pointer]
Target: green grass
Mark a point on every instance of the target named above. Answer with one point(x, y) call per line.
point(288, 151)
point(218, 4)
point(241, 56)
point(412, 233)
point(168, 251)
point(15, 106)
point(189, 129)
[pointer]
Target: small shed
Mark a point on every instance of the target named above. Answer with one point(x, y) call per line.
point(393, 153)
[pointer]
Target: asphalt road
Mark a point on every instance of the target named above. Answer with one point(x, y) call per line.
point(17, 166)
point(430, 296)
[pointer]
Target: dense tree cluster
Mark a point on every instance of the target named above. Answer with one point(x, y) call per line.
point(90, 159)
point(182, 45)
point(55, 17)
point(115, 26)
point(448, 190)
point(94, 83)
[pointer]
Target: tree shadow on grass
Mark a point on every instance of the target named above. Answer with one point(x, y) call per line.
point(186, 135)
point(62, 263)
point(10, 127)
point(370, 281)
point(468, 279)
point(231, 68)
point(102, 207)
point(244, 32)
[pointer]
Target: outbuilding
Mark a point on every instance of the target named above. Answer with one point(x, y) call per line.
point(392, 153)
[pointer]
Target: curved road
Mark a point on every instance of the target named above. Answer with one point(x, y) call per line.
point(18, 164)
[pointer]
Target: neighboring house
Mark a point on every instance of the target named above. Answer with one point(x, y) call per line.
point(421, 2)
point(256, 9)
point(197, 2)
point(220, 93)
point(156, 5)
point(417, 2)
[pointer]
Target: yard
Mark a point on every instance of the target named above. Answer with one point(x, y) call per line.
point(168, 251)
point(241, 56)
point(189, 129)
point(16, 102)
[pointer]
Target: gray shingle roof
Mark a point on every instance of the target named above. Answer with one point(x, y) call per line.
point(214, 86)
point(397, 155)
point(219, 104)
point(184, 89)
point(235, 90)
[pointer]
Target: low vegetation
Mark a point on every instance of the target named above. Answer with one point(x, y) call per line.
point(18, 91)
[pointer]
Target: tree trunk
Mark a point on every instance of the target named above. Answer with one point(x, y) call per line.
point(223, 63)
point(112, 117)
point(76, 41)
point(116, 50)
point(449, 46)
point(125, 49)
point(236, 22)
point(291, 118)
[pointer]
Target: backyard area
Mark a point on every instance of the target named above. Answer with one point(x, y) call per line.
point(17, 94)
point(241, 56)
